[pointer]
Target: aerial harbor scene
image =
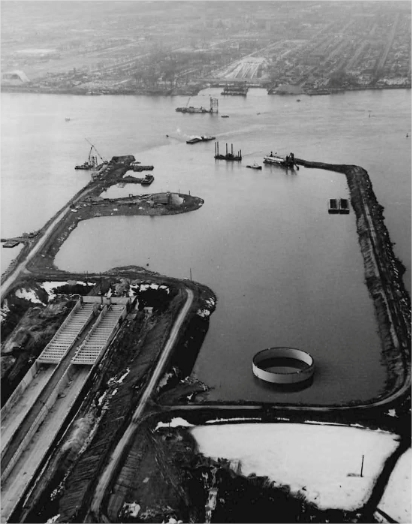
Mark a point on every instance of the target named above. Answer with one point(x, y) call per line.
point(206, 261)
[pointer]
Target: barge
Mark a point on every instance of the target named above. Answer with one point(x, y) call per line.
point(343, 206)
point(288, 161)
point(214, 108)
point(333, 206)
point(202, 138)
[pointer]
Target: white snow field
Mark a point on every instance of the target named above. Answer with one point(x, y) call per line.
point(322, 462)
point(396, 500)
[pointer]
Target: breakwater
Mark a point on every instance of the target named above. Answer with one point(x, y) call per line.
point(383, 274)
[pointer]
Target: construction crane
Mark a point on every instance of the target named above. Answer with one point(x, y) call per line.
point(94, 147)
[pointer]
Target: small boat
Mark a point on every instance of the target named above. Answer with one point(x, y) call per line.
point(333, 206)
point(254, 166)
point(343, 206)
point(224, 116)
point(67, 119)
point(202, 138)
point(148, 179)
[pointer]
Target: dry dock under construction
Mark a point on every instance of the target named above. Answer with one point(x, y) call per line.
point(35, 413)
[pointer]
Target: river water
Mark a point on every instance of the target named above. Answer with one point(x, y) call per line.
point(285, 272)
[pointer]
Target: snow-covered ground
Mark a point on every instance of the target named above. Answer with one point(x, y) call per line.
point(396, 500)
point(320, 461)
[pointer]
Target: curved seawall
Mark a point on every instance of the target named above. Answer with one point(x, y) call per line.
point(383, 274)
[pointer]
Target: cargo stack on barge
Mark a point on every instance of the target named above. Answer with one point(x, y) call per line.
point(228, 156)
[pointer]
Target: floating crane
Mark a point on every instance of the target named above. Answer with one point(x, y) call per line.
point(94, 147)
point(91, 162)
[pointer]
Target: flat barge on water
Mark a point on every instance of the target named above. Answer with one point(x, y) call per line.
point(288, 161)
point(214, 108)
point(202, 138)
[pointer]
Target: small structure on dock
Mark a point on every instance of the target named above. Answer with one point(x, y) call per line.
point(229, 155)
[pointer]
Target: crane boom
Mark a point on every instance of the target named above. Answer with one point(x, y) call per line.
point(102, 159)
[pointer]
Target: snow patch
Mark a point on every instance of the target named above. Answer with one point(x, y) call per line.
point(53, 519)
point(396, 500)
point(132, 509)
point(218, 420)
point(174, 423)
point(28, 295)
point(391, 413)
point(4, 311)
point(120, 381)
point(49, 286)
point(323, 459)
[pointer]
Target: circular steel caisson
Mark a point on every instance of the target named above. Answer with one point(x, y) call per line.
point(283, 365)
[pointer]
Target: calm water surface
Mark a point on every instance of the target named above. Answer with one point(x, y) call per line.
point(285, 272)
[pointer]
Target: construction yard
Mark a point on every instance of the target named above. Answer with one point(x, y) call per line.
point(102, 421)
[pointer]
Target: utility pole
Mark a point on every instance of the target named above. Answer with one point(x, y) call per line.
point(361, 471)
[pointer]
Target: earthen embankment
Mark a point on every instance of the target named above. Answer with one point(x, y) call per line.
point(383, 274)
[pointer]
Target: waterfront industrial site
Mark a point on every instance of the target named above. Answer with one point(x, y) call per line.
point(101, 418)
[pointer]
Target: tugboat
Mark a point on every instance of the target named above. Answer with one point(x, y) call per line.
point(202, 138)
point(148, 179)
point(254, 166)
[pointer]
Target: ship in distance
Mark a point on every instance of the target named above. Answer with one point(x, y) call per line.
point(287, 161)
point(201, 138)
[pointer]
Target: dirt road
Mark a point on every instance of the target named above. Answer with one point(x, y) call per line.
point(116, 456)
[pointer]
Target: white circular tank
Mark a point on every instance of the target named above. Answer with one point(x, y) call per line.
point(283, 365)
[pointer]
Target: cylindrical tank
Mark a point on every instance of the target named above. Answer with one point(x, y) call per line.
point(283, 365)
